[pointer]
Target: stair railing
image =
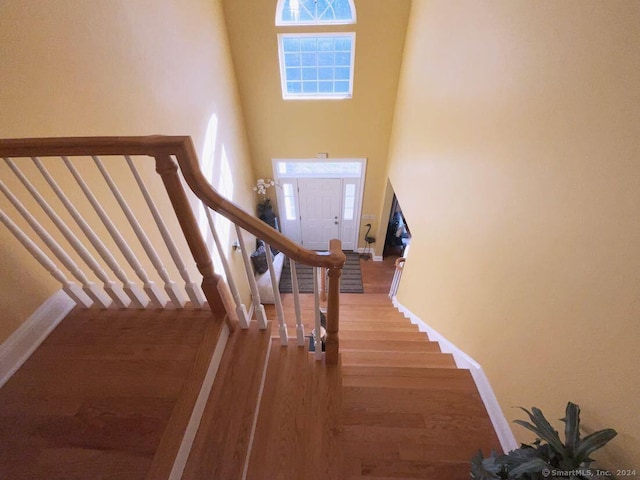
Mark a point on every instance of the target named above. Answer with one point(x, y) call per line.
point(175, 160)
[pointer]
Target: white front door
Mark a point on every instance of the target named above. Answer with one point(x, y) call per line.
point(320, 207)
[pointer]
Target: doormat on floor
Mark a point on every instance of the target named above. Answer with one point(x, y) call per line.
point(350, 281)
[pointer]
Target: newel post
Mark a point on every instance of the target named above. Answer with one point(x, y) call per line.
point(332, 342)
point(214, 287)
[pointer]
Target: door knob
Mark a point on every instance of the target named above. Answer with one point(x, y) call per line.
point(336, 222)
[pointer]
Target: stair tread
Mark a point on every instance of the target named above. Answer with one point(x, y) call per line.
point(378, 326)
point(436, 402)
point(405, 359)
point(383, 335)
point(413, 383)
point(415, 470)
point(388, 345)
point(434, 373)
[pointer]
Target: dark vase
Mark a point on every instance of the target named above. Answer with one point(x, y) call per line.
point(265, 213)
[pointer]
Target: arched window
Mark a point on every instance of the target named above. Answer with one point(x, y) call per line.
point(315, 12)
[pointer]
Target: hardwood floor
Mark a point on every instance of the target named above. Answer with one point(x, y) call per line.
point(377, 276)
point(405, 410)
point(220, 447)
point(94, 399)
point(107, 394)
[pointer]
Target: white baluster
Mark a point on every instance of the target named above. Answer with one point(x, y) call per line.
point(137, 296)
point(258, 308)
point(316, 311)
point(90, 288)
point(241, 310)
point(70, 288)
point(110, 287)
point(296, 304)
point(397, 275)
point(284, 340)
point(394, 283)
point(158, 299)
point(193, 290)
point(169, 285)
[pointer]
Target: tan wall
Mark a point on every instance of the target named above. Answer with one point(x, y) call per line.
point(115, 67)
point(359, 127)
point(515, 157)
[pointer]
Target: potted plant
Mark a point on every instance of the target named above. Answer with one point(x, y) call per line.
point(548, 456)
point(264, 207)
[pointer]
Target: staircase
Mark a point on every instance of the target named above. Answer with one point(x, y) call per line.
point(387, 404)
point(394, 407)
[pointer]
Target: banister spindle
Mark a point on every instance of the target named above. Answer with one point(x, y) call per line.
point(316, 312)
point(213, 286)
point(69, 287)
point(258, 308)
point(241, 310)
point(323, 284)
point(158, 299)
point(284, 340)
point(110, 287)
point(138, 298)
point(333, 316)
point(193, 291)
point(397, 275)
point(90, 288)
point(296, 303)
point(169, 285)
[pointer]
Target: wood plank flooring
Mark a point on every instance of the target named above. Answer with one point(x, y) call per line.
point(94, 399)
point(220, 447)
point(405, 410)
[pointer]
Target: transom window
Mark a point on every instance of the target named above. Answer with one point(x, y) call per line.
point(316, 65)
point(315, 12)
point(314, 169)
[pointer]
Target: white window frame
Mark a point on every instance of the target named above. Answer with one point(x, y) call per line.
point(320, 95)
point(280, 23)
point(349, 231)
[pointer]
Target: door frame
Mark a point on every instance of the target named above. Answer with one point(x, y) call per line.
point(354, 174)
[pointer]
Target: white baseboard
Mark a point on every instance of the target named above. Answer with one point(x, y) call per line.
point(16, 349)
point(498, 420)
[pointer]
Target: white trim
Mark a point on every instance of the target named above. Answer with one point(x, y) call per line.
point(16, 349)
point(498, 420)
point(295, 233)
point(180, 461)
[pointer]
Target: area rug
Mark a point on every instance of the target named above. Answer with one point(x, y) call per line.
point(350, 281)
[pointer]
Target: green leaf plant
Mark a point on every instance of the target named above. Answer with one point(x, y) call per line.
point(547, 456)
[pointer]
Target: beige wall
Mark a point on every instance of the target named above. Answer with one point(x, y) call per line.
point(115, 67)
point(359, 127)
point(516, 158)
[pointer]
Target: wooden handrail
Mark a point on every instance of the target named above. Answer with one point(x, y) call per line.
point(162, 147)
